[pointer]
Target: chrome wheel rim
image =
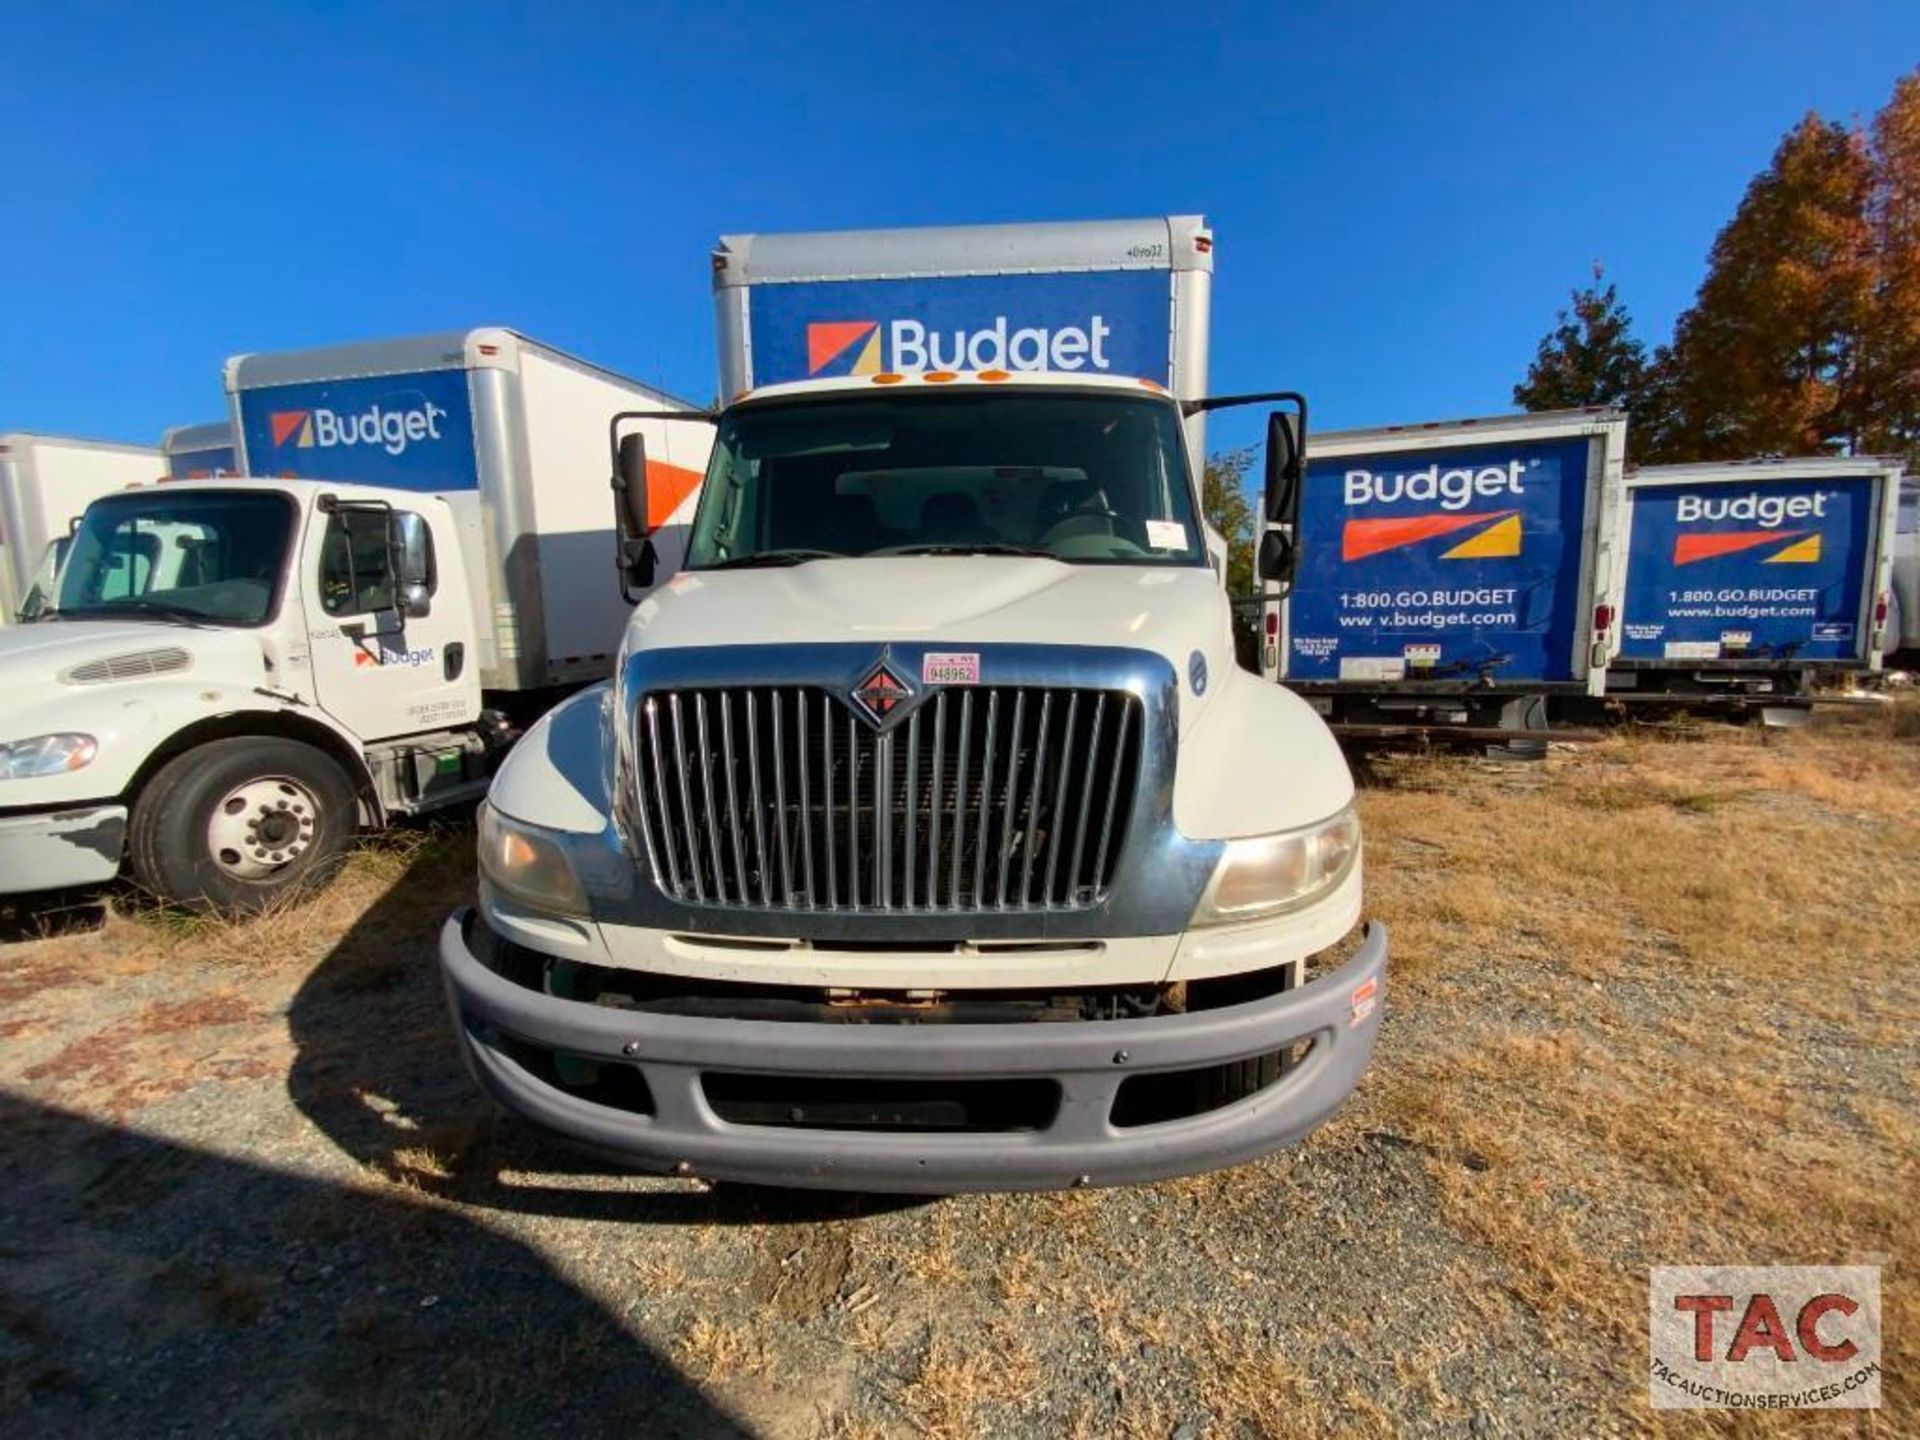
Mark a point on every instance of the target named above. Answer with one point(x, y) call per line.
point(261, 827)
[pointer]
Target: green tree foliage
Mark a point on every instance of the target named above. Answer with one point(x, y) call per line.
point(1231, 510)
point(1590, 357)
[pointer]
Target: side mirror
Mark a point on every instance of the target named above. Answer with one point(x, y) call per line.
point(1286, 459)
point(411, 546)
point(1276, 558)
point(636, 557)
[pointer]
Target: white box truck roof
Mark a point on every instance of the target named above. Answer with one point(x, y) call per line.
point(514, 433)
point(45, 482)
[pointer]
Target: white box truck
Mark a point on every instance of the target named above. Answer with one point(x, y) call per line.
point(245, 671)
point(928, 837)
point(45, 482)
point(1903, 625)
point(1455, 575)
point(201, 452)
point(1747, 581)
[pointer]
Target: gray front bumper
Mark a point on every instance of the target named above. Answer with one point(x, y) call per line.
point(1088, 1060)
point(58, 848)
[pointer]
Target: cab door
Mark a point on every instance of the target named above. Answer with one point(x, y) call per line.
point(377, 671)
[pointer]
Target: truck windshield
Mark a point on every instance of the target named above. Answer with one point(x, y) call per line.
point(205, 557)
point(1088, 478)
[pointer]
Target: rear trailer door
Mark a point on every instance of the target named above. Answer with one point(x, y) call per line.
point(1463, 563)
point(1743, 568)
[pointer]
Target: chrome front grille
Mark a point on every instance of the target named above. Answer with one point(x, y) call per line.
point(1002, 798)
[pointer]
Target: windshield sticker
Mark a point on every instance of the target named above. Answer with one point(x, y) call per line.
point(939, 667)
point(1166, 535)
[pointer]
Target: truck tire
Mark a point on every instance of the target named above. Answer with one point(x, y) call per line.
point(234, 825)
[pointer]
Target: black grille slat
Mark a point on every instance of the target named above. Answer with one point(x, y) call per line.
point(991, 798)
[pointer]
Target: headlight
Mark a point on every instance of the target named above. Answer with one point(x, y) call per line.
point(527, 864)
point(46, 755)
point(1269, 874)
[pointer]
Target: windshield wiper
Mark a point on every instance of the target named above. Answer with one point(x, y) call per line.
point(158, 608)
point(773, 557)
point(986, 547)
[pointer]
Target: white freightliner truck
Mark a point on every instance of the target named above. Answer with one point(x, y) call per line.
point(45, 482)
point(234, 675)
point(928, 837)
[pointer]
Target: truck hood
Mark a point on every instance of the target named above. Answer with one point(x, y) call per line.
point(948, 600)
point(34, 658)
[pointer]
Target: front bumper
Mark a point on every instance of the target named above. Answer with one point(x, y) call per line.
point(500, 1023)
point(58, 848)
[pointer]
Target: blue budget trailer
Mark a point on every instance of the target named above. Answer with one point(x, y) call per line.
point(1747, 581)
point(1454, 576)
point(200, 452)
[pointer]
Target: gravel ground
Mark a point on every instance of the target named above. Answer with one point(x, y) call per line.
point(250, 1191)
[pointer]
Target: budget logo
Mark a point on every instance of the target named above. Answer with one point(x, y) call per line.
point(389, 429)
point(1496, 535)
point(1800, 547)
point(866, 347)
point(285, 424)
point(843, 347)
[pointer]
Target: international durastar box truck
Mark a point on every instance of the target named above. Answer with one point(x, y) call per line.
point(1745, 581)
point(45, 482)
point(200, 452)
point(1455, 574)
point(248, 670)
point(512, 433)
point(928, 837)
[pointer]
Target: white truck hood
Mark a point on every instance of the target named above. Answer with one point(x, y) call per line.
point(954, 600)
point(35, 658)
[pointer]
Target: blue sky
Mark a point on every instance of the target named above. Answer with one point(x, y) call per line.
point(1402, 194)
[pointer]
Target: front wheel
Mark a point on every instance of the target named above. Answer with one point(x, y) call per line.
point(234, 825)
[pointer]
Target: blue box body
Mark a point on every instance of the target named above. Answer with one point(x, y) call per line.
point(1783, 562)
point(411, 432)
point(801, 330)
point(1480, 577)
point(202, 464)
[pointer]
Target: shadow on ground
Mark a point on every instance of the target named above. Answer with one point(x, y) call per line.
point(378, 1071)
point(151, 1289)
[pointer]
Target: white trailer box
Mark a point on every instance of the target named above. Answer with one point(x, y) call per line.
point(1455, 573)
point(1903, 626)
point(45, 482)
point(513, 434)
point(200, 452)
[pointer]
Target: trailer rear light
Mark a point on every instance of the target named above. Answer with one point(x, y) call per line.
point(994, 376)
point(1602, 618)
point(1203, 243)
point(939, 377)
point(1154, 385)
point(1273, 624)
point(888, 377)
point(1882, 607)
point(488, 349)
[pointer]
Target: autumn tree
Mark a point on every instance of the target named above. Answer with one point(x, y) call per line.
point(1590, 357)
point(1770, 357)
point(1892, 350)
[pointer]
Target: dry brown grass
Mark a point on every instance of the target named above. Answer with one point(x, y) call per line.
point(1714, 926)
point(953, 1382)
point(715, 1351)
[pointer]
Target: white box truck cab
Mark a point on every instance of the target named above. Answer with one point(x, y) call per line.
point(45, 482)
point(236, 675)
point(928, 837)
point(1903, 624)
